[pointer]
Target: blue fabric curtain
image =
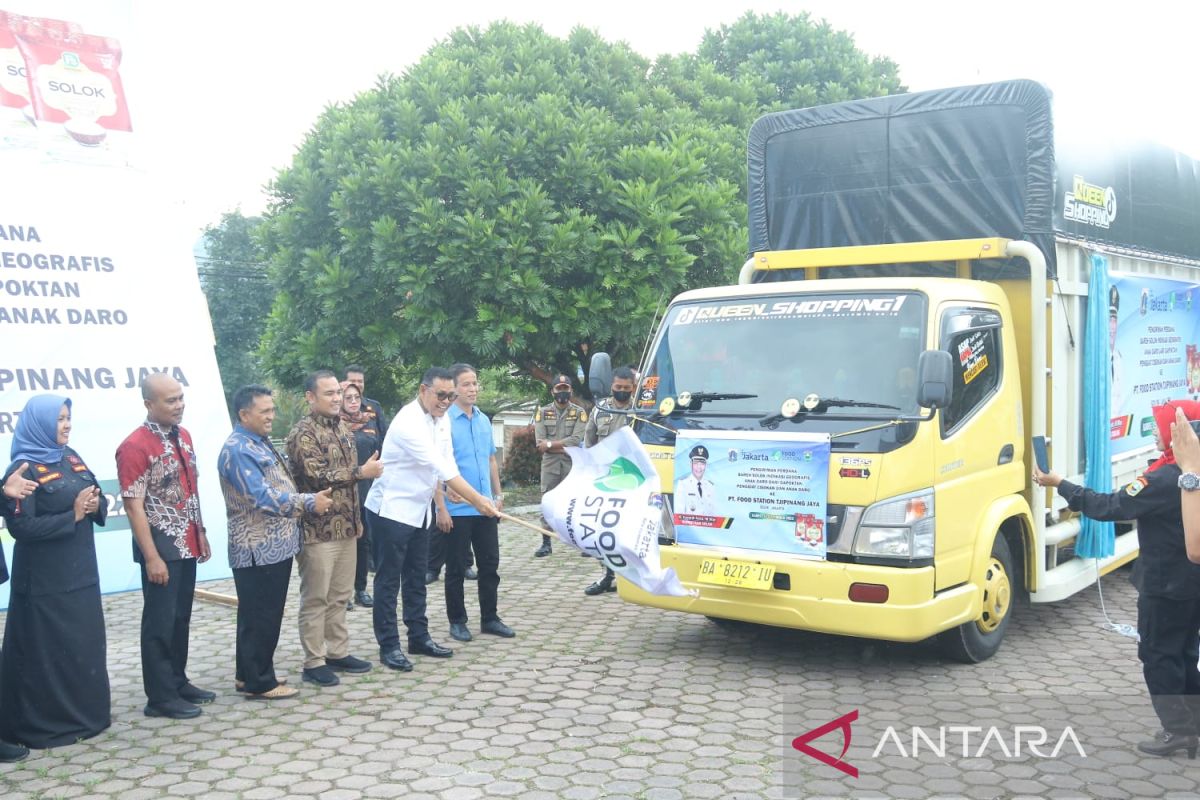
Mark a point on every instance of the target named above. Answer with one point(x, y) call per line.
point(1097, 539)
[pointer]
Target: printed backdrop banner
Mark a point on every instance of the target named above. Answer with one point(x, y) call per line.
point(759, 491)
point(97, 284)
point(1155, 355)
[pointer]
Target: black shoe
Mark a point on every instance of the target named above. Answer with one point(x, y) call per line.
point(460, 632)
point(543, 551)
point(471, 574)
point(350, 664)
point(173, 709)
point(363, 599)
point(497, 628)
point(606, 584)
point(394, 659)
point(429, 647)
point(349, 605)
point(430, 577)
point(10, 753)
point(1165, 743)
point(321, 676)
point(197, 696)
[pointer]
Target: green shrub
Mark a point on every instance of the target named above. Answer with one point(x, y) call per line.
point(523, 463)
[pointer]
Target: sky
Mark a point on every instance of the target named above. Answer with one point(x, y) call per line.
point(222, 92)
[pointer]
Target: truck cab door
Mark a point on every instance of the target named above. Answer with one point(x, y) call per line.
point(979, 433)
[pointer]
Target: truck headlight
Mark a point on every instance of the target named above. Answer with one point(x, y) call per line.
point(902, 527)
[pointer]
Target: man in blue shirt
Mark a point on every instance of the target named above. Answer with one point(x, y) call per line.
point(475, 455)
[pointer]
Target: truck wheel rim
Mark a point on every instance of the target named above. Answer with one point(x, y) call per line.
point(997, 595)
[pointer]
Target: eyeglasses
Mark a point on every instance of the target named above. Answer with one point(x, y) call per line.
point(444, 396)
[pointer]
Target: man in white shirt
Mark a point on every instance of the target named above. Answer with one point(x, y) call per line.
point(417, 454)
point(696, 494)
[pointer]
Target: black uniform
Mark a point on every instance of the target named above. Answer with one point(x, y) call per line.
point(1168, 589)
point(53, 667)
point(368, 440)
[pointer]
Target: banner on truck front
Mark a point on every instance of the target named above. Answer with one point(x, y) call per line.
point(1154, 335)
point(98, 285)
point(758, 491)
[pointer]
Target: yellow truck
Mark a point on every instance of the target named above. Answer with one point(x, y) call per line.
point(922, 292)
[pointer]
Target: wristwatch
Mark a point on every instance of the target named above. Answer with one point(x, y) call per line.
point(1189, 481)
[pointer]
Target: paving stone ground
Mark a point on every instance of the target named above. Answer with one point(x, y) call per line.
point(597, 698)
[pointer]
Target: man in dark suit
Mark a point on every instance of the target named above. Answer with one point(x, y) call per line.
point(357, 376)
point(15, 488)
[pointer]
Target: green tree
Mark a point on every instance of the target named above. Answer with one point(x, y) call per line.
point(793, 62)
point(234, 279)
point(519, 199)
point(502, 390)
point(515, 198)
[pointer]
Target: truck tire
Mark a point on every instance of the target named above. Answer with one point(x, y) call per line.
point(979, 639)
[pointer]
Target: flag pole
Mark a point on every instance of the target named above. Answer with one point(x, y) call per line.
point(529, 525)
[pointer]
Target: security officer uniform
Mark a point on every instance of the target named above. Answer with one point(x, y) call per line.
point(607, 417)
point(553, 423)
point(694, 496)
point(1168, 589)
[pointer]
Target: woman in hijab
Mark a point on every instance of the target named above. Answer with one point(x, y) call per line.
point(1168, 584)
point(368, 439)
point(53, 666)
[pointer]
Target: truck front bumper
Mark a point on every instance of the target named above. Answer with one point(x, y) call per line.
point(819, 597)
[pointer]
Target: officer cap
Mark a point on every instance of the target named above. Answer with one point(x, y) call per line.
point(561, 382)
point(1114, 300)
point(699, 453)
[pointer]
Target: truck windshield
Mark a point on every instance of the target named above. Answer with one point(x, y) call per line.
point(740, 359)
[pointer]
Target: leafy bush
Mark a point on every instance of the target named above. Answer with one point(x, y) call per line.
point(523, 463)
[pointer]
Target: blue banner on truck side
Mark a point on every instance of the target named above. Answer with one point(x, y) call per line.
point(755, 491)
point(1155, 353)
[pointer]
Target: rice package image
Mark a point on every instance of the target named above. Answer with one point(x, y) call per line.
point(62, 91)
point(17, 120)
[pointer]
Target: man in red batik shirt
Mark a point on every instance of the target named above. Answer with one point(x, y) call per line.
point(156, 467)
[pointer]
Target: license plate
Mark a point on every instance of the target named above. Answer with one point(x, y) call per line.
point(743, 574)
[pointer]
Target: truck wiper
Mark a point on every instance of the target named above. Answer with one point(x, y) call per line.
point(823, 405)
point(690, 401)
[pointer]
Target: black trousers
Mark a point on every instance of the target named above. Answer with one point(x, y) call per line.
point(401, 554)
point(1170, 631)
point(166, 626)
point(438, 548)
point(363, 554)
point(262, 593)
point(482, 533)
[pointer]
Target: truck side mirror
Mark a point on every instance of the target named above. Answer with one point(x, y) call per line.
point(935, 379)
point(600, 375)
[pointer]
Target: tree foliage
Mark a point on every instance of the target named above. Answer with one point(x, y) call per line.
point(234, 279)
point(793, 62)
point(521, 199)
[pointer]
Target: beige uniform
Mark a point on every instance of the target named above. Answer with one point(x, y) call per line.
point(552, 424)
point(604, 421)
